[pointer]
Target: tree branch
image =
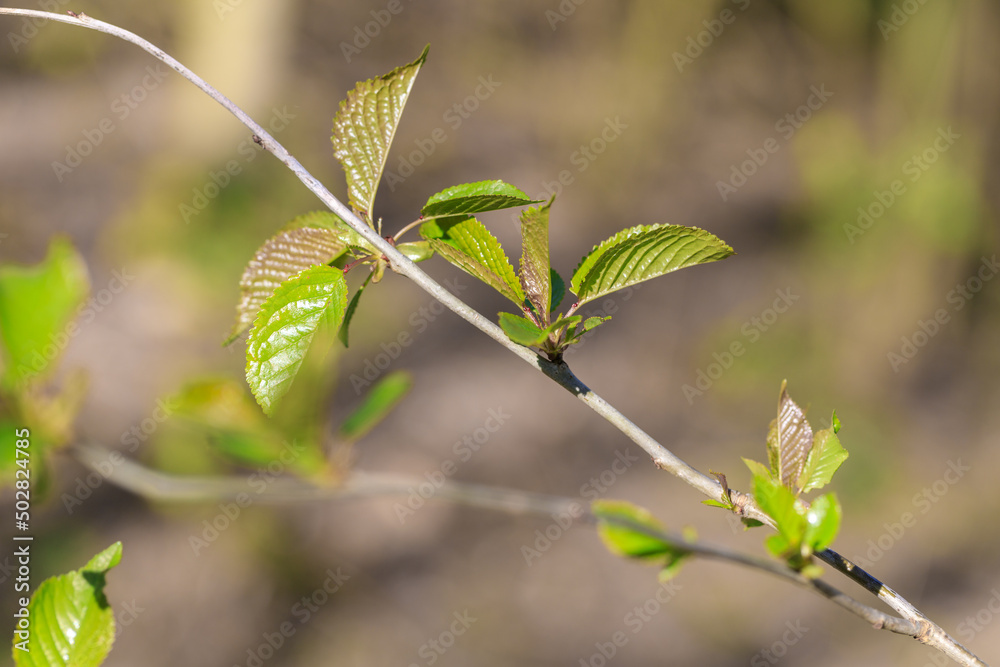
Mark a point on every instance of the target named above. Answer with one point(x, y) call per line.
point(560, 373)
point(155, 485)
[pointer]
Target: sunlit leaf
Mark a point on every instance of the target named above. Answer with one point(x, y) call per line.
point(37, 307)
point(536, 273)
point(379, 402)
point(314, 238)
point(364, 127)
point(473, 198)
point(758, 469)
point(71, 623)
point(521, 330)
point(789, 439)
point(778, 502)
point(822, 522)
point(417, 251)
point(825, 457)
point(467, 244)
point(285, 327)
point(641, 253)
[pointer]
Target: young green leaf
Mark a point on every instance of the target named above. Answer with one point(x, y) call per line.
point(37, 304)
point(285, 326)
point(824, 459)
point(314, 238)
point(789, 439)
point(417, 251)
point(558, 288)
point(588, 324)
point(758, 469)
point(467, 244)
point(379, 402)
point(822, 522)
point(631, 531)
point(72, 624)
point(521, 330)
point(536, 273)
point(364, 127)
point(641, 253)
point(475, 198)
point(778, 502)
point(344, 333)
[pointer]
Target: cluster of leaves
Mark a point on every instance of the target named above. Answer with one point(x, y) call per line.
point(799, 461)
point(38, 306)
point(70, 623)
point(295, 283)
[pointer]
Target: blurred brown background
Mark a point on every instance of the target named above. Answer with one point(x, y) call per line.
point(689, 95)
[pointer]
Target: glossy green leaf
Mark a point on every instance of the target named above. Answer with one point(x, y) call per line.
point(521, 330)
point(285, 326)
point(642, 253)
point(37, 307)
point(473, 198)
point(631, 531)
point(822, 522)
point(467, 244)
point(379, 402)
point(536, 273)
point(315, 238)
point(364, 127)
point(558, 288)
point(417, 251)
point(71, 622)
point(789, 439)
point(825, 457)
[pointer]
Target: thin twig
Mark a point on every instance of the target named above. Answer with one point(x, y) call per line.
point(560, 373)
point(155, 485)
